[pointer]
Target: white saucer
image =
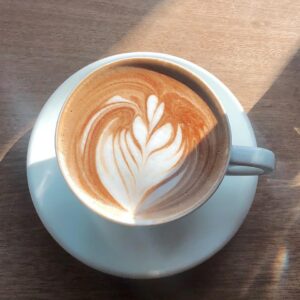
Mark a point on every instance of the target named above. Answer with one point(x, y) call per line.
point(143, 252)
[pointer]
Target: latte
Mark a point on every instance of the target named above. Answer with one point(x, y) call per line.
point(138, 141)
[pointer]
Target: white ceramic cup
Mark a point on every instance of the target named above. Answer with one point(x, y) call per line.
point(241, 160)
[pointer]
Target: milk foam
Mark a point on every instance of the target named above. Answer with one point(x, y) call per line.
point(137, 144)
point(132, 164)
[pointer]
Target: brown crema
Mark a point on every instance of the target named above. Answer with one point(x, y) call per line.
point(143, 137)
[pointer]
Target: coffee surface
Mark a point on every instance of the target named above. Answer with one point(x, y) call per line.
point(137, 141)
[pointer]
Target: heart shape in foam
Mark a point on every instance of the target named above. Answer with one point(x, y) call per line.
point(137, 165)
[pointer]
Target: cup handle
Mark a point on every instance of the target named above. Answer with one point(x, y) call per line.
point(250, 161)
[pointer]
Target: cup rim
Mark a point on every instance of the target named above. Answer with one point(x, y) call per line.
point(143, 56)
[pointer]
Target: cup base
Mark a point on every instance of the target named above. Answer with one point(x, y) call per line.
point(136, 252)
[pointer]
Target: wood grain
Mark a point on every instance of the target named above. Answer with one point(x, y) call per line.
point(253, 46)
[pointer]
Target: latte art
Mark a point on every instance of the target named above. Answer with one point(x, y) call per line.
point(132, 163)
point(137, 142)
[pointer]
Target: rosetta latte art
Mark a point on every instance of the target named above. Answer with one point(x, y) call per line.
point(132, 163)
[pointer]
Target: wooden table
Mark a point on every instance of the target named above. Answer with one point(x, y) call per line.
point(252, 46)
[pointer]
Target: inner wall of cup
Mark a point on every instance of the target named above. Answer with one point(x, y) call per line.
point(217, 167)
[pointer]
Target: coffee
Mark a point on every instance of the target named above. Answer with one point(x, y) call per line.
point(141, 140)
